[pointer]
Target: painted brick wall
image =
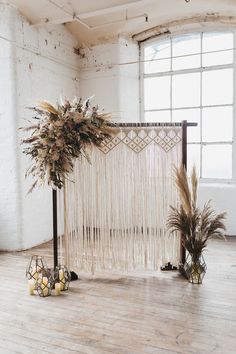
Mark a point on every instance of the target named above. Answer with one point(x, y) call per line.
point(115, 86)
point(9, 218)
point(36, 64)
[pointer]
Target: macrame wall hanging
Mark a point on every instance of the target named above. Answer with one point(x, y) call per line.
point(115, 209)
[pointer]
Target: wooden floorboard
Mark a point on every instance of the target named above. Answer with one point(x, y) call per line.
point(136, 313)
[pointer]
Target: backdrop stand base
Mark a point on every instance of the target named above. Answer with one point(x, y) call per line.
point(74, 276)
point(168, 266)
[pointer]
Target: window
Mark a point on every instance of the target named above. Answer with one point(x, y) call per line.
point(190, 77)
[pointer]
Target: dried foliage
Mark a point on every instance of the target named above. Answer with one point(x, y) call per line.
point(60, 135)
point(197, 226)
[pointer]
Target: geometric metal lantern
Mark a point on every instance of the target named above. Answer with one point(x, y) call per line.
point(195, 270)
point(35, 267)
point(63, 276)
point(45, 282)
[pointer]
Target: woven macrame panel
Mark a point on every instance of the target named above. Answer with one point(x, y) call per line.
point(115, 209)
point(138, 139)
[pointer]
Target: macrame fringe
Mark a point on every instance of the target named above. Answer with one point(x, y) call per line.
point(115, 209)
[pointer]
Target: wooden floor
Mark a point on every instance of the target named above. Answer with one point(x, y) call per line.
point(157, 313)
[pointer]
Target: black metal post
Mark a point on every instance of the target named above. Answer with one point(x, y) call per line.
point(184, 162)
point(55, 233)
point(74, 276)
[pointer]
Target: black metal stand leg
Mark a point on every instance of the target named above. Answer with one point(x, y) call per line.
point(55, 234)
point(184, 162)
point(74, 276)
point(168, 266)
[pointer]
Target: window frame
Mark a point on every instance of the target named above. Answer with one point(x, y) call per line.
point(200, 69)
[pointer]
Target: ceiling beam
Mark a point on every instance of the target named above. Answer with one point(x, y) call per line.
point(127, 19)
point(70, 17)
point(109, 10)
point(86, 15)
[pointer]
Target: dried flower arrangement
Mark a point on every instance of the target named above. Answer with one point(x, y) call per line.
point(62, 134)
point(196, 225)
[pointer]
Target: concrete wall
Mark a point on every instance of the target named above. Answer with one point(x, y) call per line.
point(36, 64)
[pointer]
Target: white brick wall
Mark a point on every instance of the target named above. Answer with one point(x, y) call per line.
point(36, 64)
point(9, 196)
point(40, 64)
point(115, 87)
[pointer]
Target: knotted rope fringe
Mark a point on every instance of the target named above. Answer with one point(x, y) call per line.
point(115, 209)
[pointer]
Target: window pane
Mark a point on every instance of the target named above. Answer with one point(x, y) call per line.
point(217, 87)
point(218, 58)
point(186, 90)
point(157, 92)
point(217, 41)
point(186, 62)
point(157, 116)
point(191, 115)
point(217, 124)
point(185, 45)
point(157, 52)
point(177, 97)
point(217, 161)
point(193, 155)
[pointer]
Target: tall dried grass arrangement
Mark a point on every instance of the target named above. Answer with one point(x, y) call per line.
point(196, 225)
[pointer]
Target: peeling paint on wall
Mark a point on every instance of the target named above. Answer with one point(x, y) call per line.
point(33, 67)
point(209, 20)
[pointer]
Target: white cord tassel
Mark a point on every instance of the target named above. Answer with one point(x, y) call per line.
point(116, 207)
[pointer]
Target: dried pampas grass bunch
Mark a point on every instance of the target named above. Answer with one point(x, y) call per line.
point(196, 225)
point(60, 135)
